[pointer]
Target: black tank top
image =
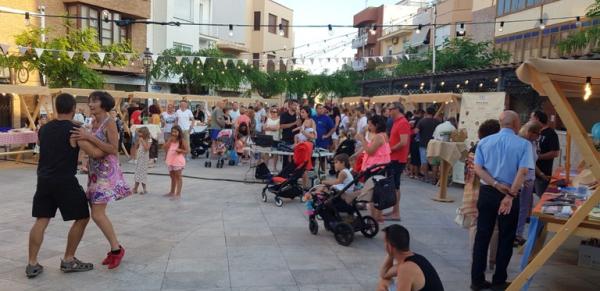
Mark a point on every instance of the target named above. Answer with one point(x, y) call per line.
point(432, 280)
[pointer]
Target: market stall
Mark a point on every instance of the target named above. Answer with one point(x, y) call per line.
point(449, 102)
point(560, 80)
point(354, 100)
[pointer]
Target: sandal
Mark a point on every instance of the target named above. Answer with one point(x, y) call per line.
point(33, 271)
point(75, 266)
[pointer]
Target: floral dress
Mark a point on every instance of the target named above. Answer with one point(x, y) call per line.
point(141, 166)
point(105, 179)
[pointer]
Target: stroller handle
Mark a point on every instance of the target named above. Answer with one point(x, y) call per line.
point(371, 168)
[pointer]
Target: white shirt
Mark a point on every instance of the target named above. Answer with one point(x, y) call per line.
point(344, 120)
point(184, 119)
point(258, 116)
point(443, 130)
point(234, 114)
point(79, 118)
point(272, 123)
point(361, 125)
point(169, 120)
point(346, 182)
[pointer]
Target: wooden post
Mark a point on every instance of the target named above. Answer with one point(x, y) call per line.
point(445, 168)
point(589, 153)
point(568, 159)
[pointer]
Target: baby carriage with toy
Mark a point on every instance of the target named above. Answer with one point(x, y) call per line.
point(199, 143)
point(339, 211)
point(223, 144)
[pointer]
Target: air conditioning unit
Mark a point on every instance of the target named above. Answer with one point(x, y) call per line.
point(395, 40)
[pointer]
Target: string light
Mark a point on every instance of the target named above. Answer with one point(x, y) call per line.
point(578, 21)
point(457, 85)
point(231, 30)
point(27, 21)
point(501, 28)
point(373, 29)
point(587, 89)
point(480, 85)
point(405, 86)
point(461, 31)
point(466, 82)
point(419, 29)
point(442, 83)
point(496, 80)
point(281, 32)
point(330, 27)
point(542, 25)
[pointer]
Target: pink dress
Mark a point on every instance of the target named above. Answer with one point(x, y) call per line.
point(381, 156)
point(175, 161)
point(105, 179)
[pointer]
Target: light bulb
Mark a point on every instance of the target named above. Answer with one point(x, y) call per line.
point(281, 32)
point(373, 29)
point(480, 85)
point(587, 89)
point(578, 21)
point(405, 85)
point(542, 25)
point(443, 83)
point(330, 29)
point(501, 28)
point(27, 21)
point(466, 82)
point(230, 30)
point(496, 80)
point(419, 29)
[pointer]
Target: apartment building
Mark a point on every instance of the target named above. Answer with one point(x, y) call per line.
point(395, 39)
point(534, 39)
point(452, 16)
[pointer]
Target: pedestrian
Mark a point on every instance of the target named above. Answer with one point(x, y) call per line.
point(58, 188)
point(325, 129)
point(141, 166)
point(502, 161)
point(260, 114)
point(185, 120)
point(531, 132)
point(336, 116)
point(403, 269)
point(235, 112)
point(167, 120)
point(271, 128)
point(425, 128)
point(399, 147)
point(288, 121)
point(549, 149)
point(199, 114)
point(176, 148)
point(217, 122)
point(307, 131)
point(105, 179)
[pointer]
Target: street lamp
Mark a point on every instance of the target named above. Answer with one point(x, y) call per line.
point(147, 61)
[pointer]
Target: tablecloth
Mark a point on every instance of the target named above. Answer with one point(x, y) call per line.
point(447, 151)
point(12, 138)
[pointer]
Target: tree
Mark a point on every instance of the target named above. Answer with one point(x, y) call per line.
point(266, 84)
point(62, 70)
point(583, 38)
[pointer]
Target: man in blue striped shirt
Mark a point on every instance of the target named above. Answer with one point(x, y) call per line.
point(501, 161)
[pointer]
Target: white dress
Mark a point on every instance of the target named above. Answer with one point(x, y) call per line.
point(141, 166)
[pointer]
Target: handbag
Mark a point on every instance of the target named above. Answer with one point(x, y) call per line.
point(463, 220)
point(384, 193)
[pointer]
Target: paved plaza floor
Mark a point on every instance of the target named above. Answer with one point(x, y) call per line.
point(221, 236)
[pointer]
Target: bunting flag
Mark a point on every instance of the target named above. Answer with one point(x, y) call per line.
point(5, 48)
point(202, 60)
point(154, 58)
point(39, 52)
point(70, 54)
point(245, 61)
point(178, 59)
point(23, 50)
point(86, 55)
point(190, 59)
point(380, 59)
point(101, 56)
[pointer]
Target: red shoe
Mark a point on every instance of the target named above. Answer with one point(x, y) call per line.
point(116, 259)
point(108, 259)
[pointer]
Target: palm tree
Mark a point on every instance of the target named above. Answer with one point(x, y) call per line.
point(584, 38)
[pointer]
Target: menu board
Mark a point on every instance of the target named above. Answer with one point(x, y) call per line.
point(476, 108)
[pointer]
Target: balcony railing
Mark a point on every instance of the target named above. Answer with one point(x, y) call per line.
point(358, 65)
point(359, 42)
point(210, 31)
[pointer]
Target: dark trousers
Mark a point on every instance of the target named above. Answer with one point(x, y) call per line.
point(540, 186)
point(488, 205)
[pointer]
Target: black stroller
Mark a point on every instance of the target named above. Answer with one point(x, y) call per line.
point(199, 144)
point(348, 147)
point(285, 185)
point(345, 219)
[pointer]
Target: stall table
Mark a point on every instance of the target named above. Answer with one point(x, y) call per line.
point(22, 138)
point(541, 224)
point(448, 153)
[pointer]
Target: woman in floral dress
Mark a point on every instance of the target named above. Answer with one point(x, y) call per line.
point(105, 179)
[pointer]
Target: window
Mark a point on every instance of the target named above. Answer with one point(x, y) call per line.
point(184, 10)
point(108, 32)
point(511, 6)
point(272, 23)
point(286, 26)
point(182, 47)
point(256, 60)
point(256, 20)
point(282, 66)
point(390, 50)
point(500, 7)
point(270, 63)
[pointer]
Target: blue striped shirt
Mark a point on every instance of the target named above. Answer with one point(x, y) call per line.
point(503, 154)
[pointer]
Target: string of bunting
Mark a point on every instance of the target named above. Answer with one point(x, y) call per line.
point(196, 59)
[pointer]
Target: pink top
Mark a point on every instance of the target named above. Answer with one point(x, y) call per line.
point(174, 158)
point(381, 156)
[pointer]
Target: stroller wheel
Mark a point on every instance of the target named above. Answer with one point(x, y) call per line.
point(369, 227)
point(278, 201)
point(313, 225)
point(344, 234)
point(263, 195)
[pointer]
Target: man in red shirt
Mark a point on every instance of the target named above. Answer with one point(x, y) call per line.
point(399, 145)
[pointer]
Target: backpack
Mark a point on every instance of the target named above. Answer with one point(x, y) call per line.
point(384, 193)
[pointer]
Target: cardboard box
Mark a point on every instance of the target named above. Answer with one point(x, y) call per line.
point(589, 256)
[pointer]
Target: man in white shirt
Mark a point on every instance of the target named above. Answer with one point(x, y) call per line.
point(79, 117)
point(235, 112)
point(185, 119)
point(361, 124)
point(443, 130)
point(259, 116)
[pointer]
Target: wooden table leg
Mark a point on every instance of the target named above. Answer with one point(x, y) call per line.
point(19, 156)
point(444, 171)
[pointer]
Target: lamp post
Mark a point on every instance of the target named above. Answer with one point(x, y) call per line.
point(147, 61)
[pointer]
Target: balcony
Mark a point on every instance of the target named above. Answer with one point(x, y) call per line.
point(209, 32)
point(358, 65)
point(359, 42)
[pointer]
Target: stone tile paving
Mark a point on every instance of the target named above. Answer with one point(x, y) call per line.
point(220, 236)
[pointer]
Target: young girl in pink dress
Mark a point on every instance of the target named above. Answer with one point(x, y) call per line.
point(176, 148)
point(105, 179)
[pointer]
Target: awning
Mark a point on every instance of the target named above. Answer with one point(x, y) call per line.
point(418, 39)
point(24, 90)
point(388, 98)
point(354, 99)
point(570, 75)
point(432, 98)
point(86, 92)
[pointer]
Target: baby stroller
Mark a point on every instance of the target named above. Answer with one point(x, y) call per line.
point(348, 147)
point(339, 217)
point(199, 144)
point(285, 185)
point(223, 144)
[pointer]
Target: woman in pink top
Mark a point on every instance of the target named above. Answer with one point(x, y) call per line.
point(176, 148)
point(376, 151)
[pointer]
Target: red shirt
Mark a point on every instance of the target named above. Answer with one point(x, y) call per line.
point(400, 127)
point(136, 117)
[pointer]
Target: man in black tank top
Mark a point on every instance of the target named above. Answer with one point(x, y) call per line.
point(403, 270)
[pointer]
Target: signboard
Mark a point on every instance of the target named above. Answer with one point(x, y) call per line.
point(476, 108)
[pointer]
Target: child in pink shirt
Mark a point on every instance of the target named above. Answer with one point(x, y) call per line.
point(176, 148)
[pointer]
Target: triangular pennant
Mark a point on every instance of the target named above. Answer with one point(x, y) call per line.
point(70, 54)
point(127, 56)
point(5, 48)
point(86, 55)
point(202, 60)
point(154, 58)
point(245, 61)
point(190, 59)
point(23, 50)
point(380, 59)
point(178, 59)
point(39, 52)
point(101, 56)
point(312, 61)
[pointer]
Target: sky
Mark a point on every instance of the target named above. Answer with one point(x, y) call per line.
point(326, 12)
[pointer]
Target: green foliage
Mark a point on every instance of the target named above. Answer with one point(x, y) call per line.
point(62, 71)
point(265, 84)
point(583, 38)
point(456, 53)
